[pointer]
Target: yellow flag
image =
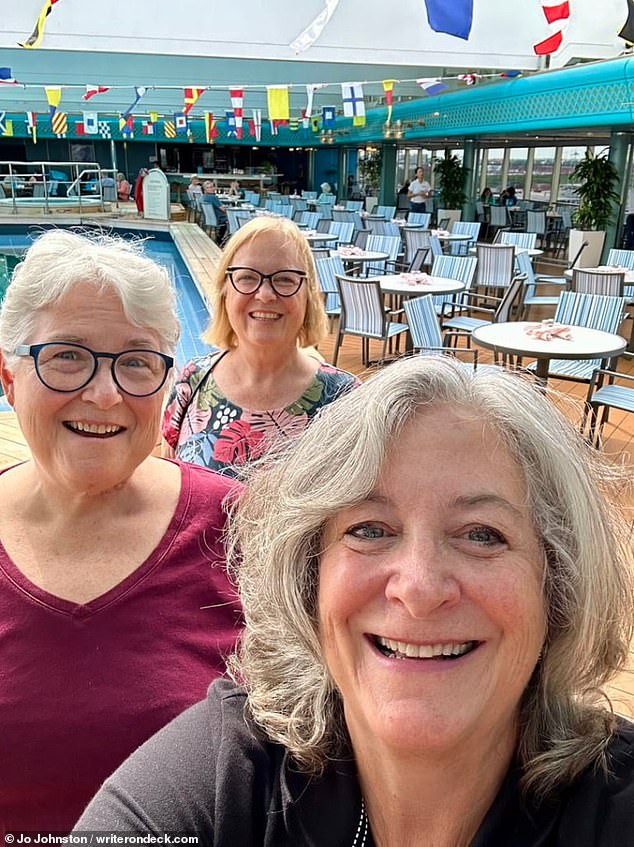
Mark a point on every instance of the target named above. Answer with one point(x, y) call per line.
point(278, 102)
point(8, 128)
point(54, 96)
point(154, 117)
point(358, 120)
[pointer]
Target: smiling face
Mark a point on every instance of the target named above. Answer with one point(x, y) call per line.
point(264, 318)
point(93, 439)
point(430, 601)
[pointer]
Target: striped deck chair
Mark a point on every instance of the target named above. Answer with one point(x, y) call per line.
point(363, 314)
point(531, 298)
point(623, 259)
point(495, 265)
point(526, 240)
point(310, 219)
point(386, 212)
point(354, 205)
point(327, 270)
point(462, 268)
point(595, 311)
point(471, 228)
point(596, 281)
point(425, 331)
point(390, 244)
point(415, 240)
point(419, 218)
point(344, 230)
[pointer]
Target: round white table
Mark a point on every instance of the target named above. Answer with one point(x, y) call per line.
point(396, 284)
point(362, 257)
point(511, 337)
point(532, 251)
point(629, 274)
point(319, 237)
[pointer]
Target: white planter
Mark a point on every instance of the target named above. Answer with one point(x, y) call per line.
point(591, 256)
point(453, 215)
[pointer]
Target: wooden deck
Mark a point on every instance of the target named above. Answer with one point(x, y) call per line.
point(201, 255)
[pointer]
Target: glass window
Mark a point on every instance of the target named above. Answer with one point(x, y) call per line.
point(517, 170)
point(542, 174)
point(570, 158)
point(495, 162)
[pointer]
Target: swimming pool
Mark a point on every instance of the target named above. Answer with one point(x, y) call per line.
point(58, 204)
point(192, 311)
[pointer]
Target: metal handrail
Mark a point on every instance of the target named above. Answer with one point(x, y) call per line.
point(39, 171)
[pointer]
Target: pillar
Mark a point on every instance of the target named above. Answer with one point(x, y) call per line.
point(469, 185)
point(387, 188)
point(618, 155)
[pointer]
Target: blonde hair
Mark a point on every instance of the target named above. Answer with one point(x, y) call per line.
point(276, 543)
point(220, 332)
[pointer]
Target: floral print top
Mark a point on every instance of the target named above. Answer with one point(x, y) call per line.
point(206, 428)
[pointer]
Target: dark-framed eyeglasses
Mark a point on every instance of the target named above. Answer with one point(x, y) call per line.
point(68, 367)
point(284, 283)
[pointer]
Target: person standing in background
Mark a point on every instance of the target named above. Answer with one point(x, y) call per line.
point(419, 192)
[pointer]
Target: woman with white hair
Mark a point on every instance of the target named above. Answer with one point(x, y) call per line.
point(115, 606)
point(437, 584)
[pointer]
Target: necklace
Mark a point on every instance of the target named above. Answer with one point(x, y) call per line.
point(362, 828)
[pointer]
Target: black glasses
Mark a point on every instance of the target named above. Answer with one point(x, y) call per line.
point(69, 367)
point(283, 283)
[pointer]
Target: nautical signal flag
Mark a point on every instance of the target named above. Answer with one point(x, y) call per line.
point(6, 126)
point(91, 90)
point(230, 120)
point(59, 123)
point(328, 116)
point(388, 88)
point(211, 128)
point(352, 97)
point(6, 77)
point(557, 15)
point(192, 95)
point(237, 103)
point(31, 125)
point(104, 129)
point(180, 123)
point(126, 126)
point(139, 91)
point(54, 97)
point(80, 129)
point(169, 128)
point(35, 38)
point(91, 123)
point(257, 124)
point(627, 32)
point(454, 18)
point(148, 127)
point(469, 79)
point(432, 86)
point(278, 102)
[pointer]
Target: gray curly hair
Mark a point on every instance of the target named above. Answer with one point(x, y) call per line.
point(276, 541)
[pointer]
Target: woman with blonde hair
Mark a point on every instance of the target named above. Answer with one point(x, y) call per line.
point(437, 585)
point(232, 406)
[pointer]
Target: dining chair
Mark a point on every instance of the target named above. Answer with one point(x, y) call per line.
point(607, 390)
point(419, 219)
point(525, 240)
point(325, 210)
point(386, 212)
point(210, 222)
point(531, 298)
point(596, 281)
point(564, 281)
point(298, 204)
point(323, 224)
point(425, 332)
point(361, 238)
point(496, 263)
point(593, 311)
point(327, 269)
point(309, 195)
point(462, 268)
point(363, 314)
point(416, 239)
point(470, 228)
point(623, 259)
point(344, 230)
point(343, 215)
point(354, 205)
point(233, 223)
point(499, 309)
point(498, 218)
point(310, 219)
point(384, 228)
point(389, 244)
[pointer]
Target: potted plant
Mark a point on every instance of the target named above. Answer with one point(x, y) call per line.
point(370, 174)
point(595, 178)
point(451, 176)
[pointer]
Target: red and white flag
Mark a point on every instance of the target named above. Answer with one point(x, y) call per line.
point(31, 125)
point(91, 90)
point(557, 16)
point(257, 124)
point(192, 96)
point(237, 102)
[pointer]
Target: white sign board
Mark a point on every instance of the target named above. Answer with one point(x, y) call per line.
point(156, 196)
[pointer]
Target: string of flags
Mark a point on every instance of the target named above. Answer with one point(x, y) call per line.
point(352, 105)
point(36, 37)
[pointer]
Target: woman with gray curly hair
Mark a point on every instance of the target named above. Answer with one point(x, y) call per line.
point(437, 583)
point(115, 607)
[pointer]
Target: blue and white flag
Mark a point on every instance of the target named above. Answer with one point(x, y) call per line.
point(180, 122)
point(232, 127)
point(432, 86)
point(138, 93)
point(352, 96)
point(6, 77)
point(91, 123)
point(328, 117)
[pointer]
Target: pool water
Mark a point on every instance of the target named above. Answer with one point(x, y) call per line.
point(191, 308)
